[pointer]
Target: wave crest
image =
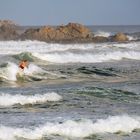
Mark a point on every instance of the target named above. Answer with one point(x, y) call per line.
point(88, 57)
point(102, 33)
point(77, 129)
point(9, 100)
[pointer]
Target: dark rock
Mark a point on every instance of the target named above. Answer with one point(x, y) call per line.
point(100, 39)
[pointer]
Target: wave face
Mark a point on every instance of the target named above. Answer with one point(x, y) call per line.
point(9, 100)
point(70, 53)
point(71, 128)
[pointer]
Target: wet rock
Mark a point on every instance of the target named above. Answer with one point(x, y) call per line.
point(7, 22)
point(69, 32)
point(7, 30)
point(100, 39)
point(119, 37)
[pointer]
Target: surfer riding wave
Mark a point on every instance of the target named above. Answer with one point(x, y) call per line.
point(23, 64)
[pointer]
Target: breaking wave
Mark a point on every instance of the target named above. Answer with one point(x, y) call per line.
point(17, 47)
point(88, 57)
point(70, 53)
point(132, 38)
point(102, 33)
point(9, 71)
point(83, 128)
point(9, 100)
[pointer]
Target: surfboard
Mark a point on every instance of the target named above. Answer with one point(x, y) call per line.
point(20, 75)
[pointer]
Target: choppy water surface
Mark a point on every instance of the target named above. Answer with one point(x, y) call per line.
point(70, 91)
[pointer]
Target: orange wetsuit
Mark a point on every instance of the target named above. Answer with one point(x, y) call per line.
point(23, 64)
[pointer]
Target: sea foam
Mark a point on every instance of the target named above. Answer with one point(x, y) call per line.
point(17, 47)
point(10, 71)
point(72, 128)
point(102, 33)
point(9, 100)
point(73, 53)
point(88, 57)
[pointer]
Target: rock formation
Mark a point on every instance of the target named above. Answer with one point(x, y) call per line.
point(7, 22)
point(100, 39)
point(119, 37)
point(7, 30)
point(70, 32)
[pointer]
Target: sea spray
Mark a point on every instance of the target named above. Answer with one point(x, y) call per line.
point(33, 69)
point(103, 34)
point(11, 70)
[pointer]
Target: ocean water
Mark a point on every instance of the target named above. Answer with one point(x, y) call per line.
point(71, 91)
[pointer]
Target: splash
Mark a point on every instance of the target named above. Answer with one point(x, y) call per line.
point(132, 38)
point(33, 69)
point(10, 71)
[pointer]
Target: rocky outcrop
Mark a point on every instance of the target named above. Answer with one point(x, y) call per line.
point(70, 32)
point(7, 22)
point(119, 37)
point(7, 30)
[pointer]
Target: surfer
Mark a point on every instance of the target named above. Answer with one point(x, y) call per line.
point(23, 64)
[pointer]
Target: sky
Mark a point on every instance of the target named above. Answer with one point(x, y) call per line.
point(57, 12)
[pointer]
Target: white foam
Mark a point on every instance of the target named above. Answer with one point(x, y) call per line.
point(16, 47)
point(71, 128)
point(88, 57)
point(10, 71)
point(117, 123)
point(9, 100)
point(33, 69)
point(73, 53)
point(130, 46)
point(102, 33)
point(131, 38)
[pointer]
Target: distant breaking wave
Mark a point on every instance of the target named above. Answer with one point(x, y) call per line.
point(108, 34)
point(17, 47)
point(88, 57)
point(9, 100)
point(70, 128)
point(70, 53)
point(102, 33)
